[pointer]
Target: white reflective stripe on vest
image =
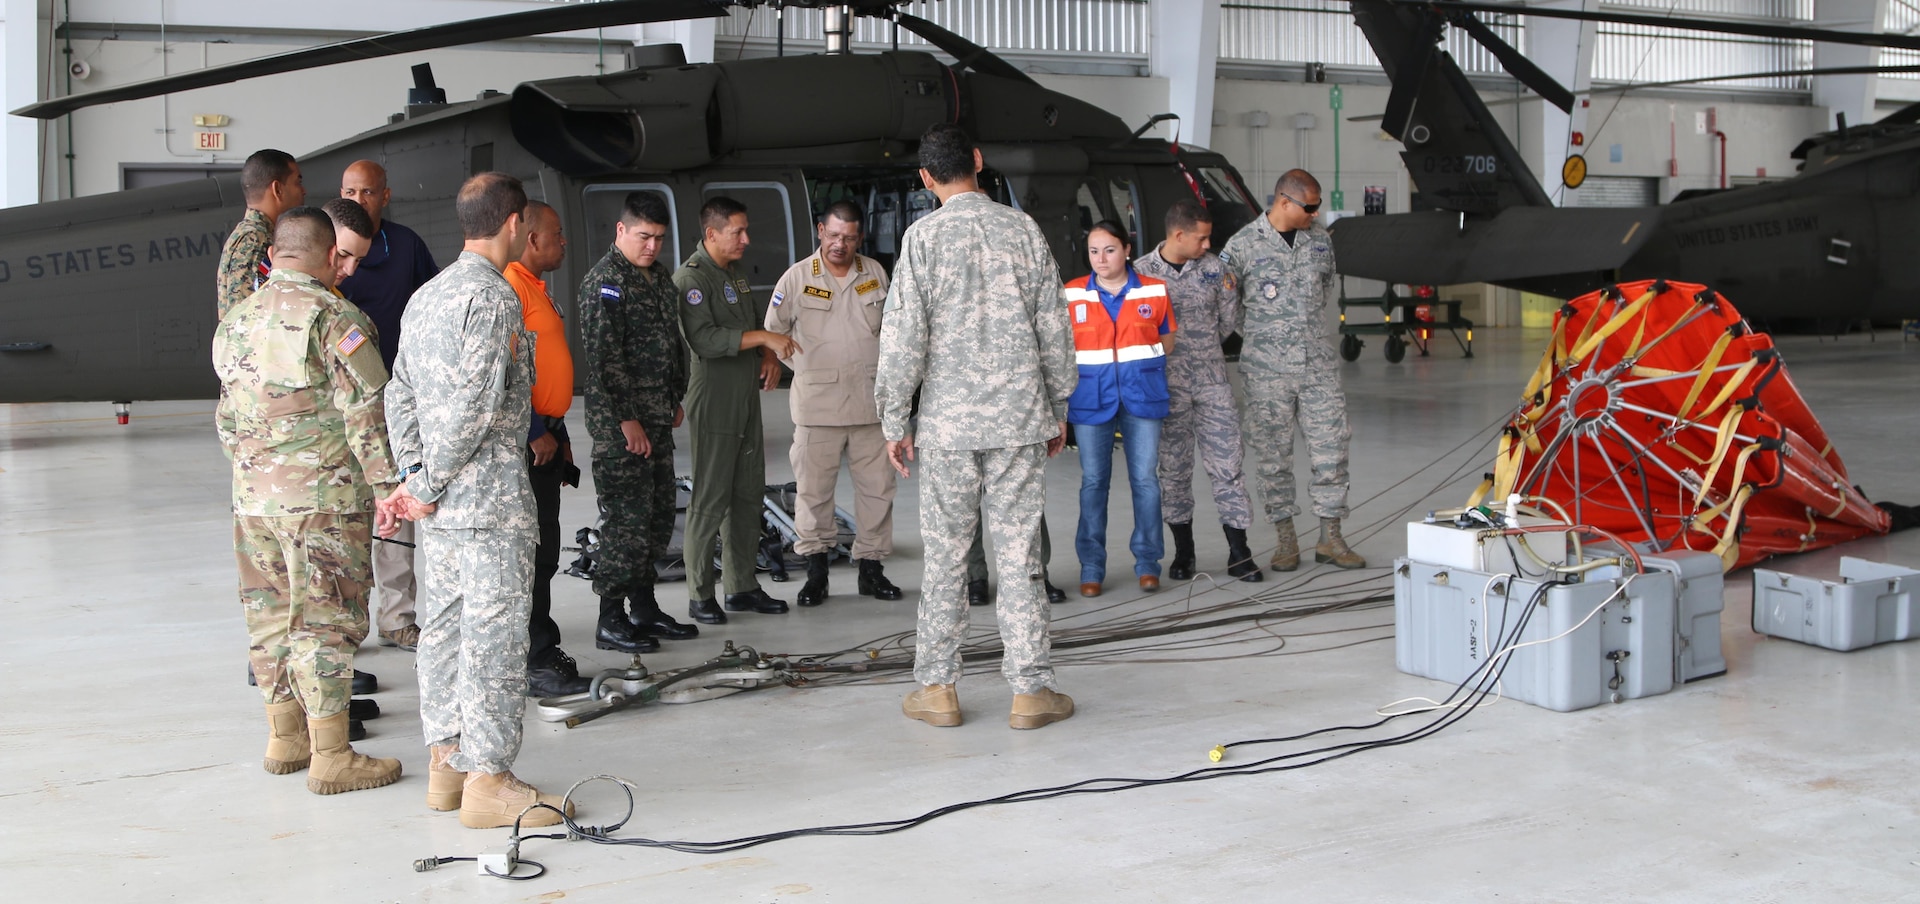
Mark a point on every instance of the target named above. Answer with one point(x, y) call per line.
point(1096, 357)
point(1141, 352)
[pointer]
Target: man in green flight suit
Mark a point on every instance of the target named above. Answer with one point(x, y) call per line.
point(721, 317)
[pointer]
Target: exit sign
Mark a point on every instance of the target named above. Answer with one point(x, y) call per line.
point(209, 141)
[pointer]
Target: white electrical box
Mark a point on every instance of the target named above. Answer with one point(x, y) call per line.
point(1485, 548)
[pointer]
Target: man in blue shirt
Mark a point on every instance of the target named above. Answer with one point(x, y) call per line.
point(397, 264)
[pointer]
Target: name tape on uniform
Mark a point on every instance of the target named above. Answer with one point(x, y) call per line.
point(818, 292)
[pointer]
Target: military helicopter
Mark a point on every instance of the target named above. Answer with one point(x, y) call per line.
point(1829, 243)
point(110, 298)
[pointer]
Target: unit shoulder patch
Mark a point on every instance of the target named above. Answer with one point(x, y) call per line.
point(694, 297)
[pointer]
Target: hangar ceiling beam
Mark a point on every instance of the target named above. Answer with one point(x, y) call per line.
point(1852, 95)
point(1184, 45)
point(1563, 48)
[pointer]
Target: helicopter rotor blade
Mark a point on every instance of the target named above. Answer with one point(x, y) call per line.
point(1517, 63)
point(966, 53)
point(1688, 23)
point(571, 17)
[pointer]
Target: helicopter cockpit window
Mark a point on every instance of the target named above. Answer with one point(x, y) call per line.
point(1219, 186)
point(771, 248)
point(1089, 206)
point(600, 205)
point(1126, 203)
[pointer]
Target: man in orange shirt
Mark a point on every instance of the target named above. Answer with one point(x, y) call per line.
point(550, 671)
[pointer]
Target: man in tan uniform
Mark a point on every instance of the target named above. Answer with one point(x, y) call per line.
point(830, 303)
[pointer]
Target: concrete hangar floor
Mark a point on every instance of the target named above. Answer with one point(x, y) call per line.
point(132, 748)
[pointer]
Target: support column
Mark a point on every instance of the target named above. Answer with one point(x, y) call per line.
point(20, 67)
point(1184, 42)
point(1563, 48)
point(1849, 94)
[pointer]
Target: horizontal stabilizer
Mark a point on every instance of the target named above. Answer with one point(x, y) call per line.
point(1449, 248)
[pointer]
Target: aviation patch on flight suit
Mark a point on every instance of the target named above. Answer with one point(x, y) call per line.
point(732, 297)
point(866, 287)
point(694, 297)
point(818, 292)
point(351, 341)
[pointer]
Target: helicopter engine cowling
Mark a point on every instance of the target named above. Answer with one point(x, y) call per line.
point(654, 119)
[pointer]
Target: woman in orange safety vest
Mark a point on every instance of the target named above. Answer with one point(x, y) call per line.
point(1122, 328)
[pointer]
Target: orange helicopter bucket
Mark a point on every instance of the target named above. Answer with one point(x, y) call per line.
point(1658, 415)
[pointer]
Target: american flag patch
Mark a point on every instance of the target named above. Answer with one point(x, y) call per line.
point(352, 341)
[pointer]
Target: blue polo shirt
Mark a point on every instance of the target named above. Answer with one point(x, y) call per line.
point(396, 265)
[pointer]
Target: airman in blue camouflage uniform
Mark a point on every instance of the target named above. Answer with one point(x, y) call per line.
point(1284, 265)
point(976, 281)
point(1206, 304)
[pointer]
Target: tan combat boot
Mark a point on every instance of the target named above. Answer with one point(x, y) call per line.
point(336, 768)
point(443, 781)
point(1286, 555)
point(934, 704)
point(1332, 548)
point(493, 800)
point(288, 749)
point(1039, 708)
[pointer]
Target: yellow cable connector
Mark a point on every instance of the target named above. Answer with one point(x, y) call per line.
point(1217, 754)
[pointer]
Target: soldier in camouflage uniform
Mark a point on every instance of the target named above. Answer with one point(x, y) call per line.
point(1284, 265)
point(457, 410)
point(270, 180)
point(636, 375)
point(300, 415)
point(1206, 304)
point(976, 281)
point(733, 359)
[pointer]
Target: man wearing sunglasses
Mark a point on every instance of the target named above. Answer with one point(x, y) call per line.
point(1284, 265)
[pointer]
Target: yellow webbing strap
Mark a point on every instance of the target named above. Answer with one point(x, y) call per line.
point(1706, 373)
point(1734, 381)
point(1642, 370)
point(1738, 483)
point(1506, 464)
point(1722, 442)
point(1614, 325)
point(1728, 547)
point(1479, 493)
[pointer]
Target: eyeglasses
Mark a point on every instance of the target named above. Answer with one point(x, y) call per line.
point(1309, 208)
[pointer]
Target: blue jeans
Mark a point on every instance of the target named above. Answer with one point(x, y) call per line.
point(1140, 443)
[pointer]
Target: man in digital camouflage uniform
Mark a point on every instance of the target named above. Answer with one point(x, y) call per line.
point(976, 322)
point(635, 377)
point(300, 416)
point(1284, 265)
point(1206, 303)
point(457, 411)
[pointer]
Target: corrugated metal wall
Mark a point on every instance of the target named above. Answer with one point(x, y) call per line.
point(1903, 17)
point(1106, 28)
point(1291, 32)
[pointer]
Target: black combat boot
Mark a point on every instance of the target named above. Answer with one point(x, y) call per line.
point(814, 592)
point(1055, 595)
point(647, 617)
point(755, 600)
point(874, 583)
point(1181, 568)
point(977, 592)
point(552, 673)
point(706, 612)
point(615, 632)
point(1240, 562)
